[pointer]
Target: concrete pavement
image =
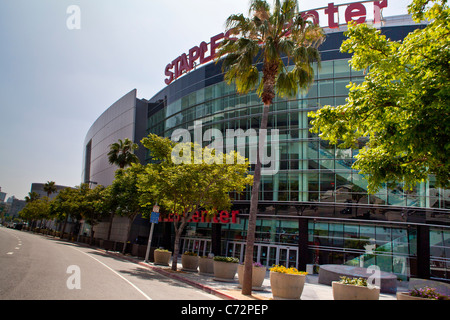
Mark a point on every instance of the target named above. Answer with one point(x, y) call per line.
point(37, 267)
point(230, 290)
point(225, 290)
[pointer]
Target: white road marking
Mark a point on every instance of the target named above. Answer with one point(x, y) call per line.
point(130, 283)
point(9, 252)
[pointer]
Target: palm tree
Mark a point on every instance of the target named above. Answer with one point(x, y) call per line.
point(121, 153)
point(286, 44)
point(32, 196)
point(50, 188)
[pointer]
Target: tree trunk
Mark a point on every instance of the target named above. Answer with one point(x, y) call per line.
point(128, 233)
point(64, 227)
point(110, 226)
point(176, 247)
point(92, 236)
point(248, 262)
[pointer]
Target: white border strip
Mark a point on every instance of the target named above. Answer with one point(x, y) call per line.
point(118, 274)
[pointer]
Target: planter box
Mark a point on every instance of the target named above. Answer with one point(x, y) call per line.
point(189, 263)
point(333, 272)
point(287, 286)
point(225, 271)
point(258, 275)
point(162, 257)
point(351, 292)
point(406, 296)
point(206, 266)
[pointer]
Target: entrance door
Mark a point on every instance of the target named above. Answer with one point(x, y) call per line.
point(288, 256)
point(200, 246)
point(266, 254)
point(236, 250)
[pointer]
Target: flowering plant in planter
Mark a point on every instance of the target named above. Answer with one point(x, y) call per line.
point(225, 268)
point(189, 261)
point(361, 282)
point(428, 293)
point(287, 283)
point(283, 269)
point(354, 289)
point(162, 256)
point(258, 275)
point(255, 264)
point(206, 264)
point(226, 259)
point(190, 253)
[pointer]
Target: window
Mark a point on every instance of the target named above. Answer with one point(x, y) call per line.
point(341, 69)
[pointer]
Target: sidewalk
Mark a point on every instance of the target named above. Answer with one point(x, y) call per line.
point(231, 291)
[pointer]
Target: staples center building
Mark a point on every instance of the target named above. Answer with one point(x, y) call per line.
point(315, 209)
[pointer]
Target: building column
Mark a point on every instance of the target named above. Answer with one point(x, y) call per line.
point(302, 244)
point(216, 239)
point(423, 252)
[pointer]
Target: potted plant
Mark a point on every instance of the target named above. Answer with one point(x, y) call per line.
point(225, 268)
point(258, 275)
point(354, 289)
point(189, 261)
point(206, 265)
point(287, 283)
point(425, 293)
point(162, 257)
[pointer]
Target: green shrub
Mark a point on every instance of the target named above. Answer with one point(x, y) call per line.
point(226, 259)
point(361, 282)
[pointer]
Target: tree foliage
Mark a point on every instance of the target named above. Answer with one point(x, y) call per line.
point(50, 188)
point(92, 204)
point(286, 44)
point(277, 36)
point(38, 209)
point(124, 195)
point(402, 107)
point(184, 188)
point(121, 153)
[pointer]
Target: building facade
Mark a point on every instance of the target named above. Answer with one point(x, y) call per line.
point(126, 118)
point(315, 209)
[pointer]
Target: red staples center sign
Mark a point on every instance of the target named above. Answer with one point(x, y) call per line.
point(331, 16)
point(223, 217)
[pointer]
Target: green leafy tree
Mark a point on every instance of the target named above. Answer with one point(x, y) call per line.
point(190, 186)
point(403, 106)
point(66, 205)
point(287, 45)
point(125, 195)
point(93, 205)
point(37, 209)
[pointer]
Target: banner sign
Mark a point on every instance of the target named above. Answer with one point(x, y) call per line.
point(331, 16)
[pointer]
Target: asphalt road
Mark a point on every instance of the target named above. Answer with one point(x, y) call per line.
point(35, 267)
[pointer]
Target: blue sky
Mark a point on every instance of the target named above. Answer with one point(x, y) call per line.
point(55, 82)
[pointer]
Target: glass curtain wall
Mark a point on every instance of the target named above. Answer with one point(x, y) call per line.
point(309, 169)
